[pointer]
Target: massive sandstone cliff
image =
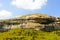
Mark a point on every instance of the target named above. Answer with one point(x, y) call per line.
point(34, 21)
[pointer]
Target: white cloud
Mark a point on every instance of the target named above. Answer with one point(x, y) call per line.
point(29, 4)
point(4, 14)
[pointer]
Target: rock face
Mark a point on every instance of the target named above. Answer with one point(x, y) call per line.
point(35, 21)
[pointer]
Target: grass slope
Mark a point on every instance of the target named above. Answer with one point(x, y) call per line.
point(29, 34)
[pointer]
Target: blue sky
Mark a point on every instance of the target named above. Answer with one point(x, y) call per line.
point(12, 8)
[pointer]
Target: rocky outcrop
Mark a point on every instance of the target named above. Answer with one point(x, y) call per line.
point(35, 21)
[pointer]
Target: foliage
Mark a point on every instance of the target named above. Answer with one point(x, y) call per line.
point(29, 34)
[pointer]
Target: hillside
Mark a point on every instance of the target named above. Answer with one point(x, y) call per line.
point(30, 27)
point(29, 34)
point(34, 21)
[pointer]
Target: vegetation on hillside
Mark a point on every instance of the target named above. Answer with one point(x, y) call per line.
point(29, 34)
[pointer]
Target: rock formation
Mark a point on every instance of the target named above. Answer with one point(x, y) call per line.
point(34, 21)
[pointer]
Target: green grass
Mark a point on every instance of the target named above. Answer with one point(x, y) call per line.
point(29, 34)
